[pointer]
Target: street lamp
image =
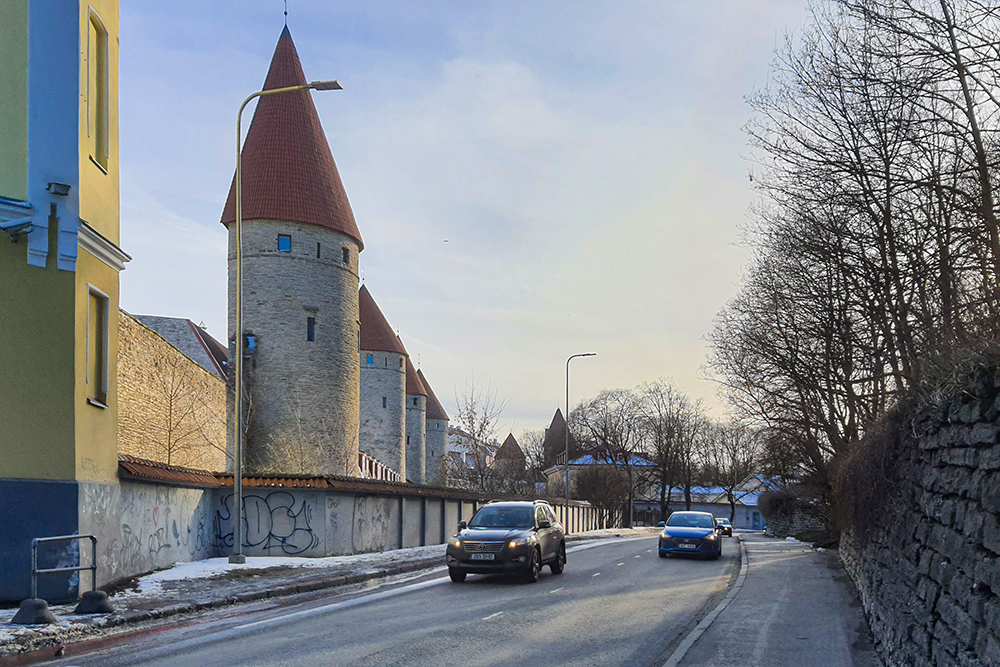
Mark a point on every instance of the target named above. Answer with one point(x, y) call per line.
point(566, 462)
point(237, 555)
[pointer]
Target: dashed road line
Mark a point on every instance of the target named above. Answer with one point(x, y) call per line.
point(619, 564)
point(486, 618)
point(596, 574)
point(556, 590)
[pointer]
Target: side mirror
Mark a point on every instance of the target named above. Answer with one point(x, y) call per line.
point(462, 525)
point(661, 524)
point(544, 524)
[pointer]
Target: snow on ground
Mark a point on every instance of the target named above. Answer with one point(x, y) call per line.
point(214, 567)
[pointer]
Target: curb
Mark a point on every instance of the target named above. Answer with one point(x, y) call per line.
point(693, 636)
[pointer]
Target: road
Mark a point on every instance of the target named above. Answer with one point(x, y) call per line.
point(617, 603)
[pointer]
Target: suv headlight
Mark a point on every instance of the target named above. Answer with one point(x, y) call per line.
point(519, 542)
point(457, 543)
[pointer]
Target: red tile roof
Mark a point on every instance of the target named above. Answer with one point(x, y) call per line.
point(133, 466)
point(288, 170)
point(413, 384)
point(434, 408)
point(376, 334)
point(510, 449)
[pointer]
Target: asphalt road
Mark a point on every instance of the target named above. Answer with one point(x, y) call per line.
point(617, 603)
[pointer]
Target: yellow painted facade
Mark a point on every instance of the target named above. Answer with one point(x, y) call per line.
point(14, 100)
point(50, 430)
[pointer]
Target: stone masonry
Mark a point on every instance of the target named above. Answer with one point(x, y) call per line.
point(929, 572)
point(383, 408)
point(303, 391)
point(416, 430)
point(170, 408)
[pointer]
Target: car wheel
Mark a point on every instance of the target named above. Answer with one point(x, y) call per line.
point(559, 564)
point(663, 554)
point(718, 554)
point(456, 575)
point(534, 567)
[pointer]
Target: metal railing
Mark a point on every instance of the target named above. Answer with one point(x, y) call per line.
point(53, 570)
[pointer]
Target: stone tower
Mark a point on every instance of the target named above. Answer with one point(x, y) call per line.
point(383, 387)
point(436, 438)
point(300, 286)
point(416, 426)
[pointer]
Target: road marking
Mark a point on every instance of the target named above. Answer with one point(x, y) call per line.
point(556, 590)
point(486, 618)
point(649, 550)
point(596, 574)
point(619, 564)
point(638, 556)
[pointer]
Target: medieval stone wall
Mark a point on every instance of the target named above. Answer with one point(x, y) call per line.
point(416, 435)
point(929, 569)
point(304, 395)
point(436, 448)
point(383, 408)
point(170, 409)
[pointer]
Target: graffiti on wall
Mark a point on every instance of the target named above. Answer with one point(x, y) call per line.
point(271, 523)
point(370, 530)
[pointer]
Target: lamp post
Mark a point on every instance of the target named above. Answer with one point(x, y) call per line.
point(237, 555)
point(566, 462)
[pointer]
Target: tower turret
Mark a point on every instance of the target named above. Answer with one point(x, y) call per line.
point(383, 387)
point(416, 426)
point(436, 436)
point(300, 286)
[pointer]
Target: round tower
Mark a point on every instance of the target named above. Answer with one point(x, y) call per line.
point(300, 287)
point(383, 387)
point(416, 426)
point(436, 436)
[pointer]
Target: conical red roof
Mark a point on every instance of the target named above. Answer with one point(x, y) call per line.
point(376, 334)
point(434, 408)
point(288, 170)
point(413, 384)
point(510, 449)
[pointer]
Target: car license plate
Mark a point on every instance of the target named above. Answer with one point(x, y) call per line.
point(688, 546)
point(481, 556)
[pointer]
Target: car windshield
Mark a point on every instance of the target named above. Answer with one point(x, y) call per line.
point(682, 520)
point(724, 522)
point(504, 517)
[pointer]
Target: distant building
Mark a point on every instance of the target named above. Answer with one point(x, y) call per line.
point(554, 443)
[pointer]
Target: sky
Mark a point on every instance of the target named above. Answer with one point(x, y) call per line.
point(531, 179)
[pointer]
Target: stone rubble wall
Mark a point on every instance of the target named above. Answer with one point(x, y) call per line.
point(929, 572)
point(794, 519)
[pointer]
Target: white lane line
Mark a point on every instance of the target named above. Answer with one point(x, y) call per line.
point(619, 564)
point(486, 618)
point(689, 641)
point(596, 574)
point(649, 550)
point(638, 556)
point(556, 590)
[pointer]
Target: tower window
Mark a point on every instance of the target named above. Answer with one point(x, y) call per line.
point(284, 243)
point(347, 255)
point(97, 92)
point(310, 329)
point(400, 362)
point(317, 250)
point(384, 402)
point(414, 401)
point(387, 362)
point(371, 359)
point(407, 439)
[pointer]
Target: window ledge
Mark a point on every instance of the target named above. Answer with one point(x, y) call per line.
point(99, 165)
point(96, 403)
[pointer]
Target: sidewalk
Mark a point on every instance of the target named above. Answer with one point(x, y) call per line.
point(189, 588)
point(797, 607)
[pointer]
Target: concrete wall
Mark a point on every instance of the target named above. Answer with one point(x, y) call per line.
point(416, 434)
point(301, 391)
point(170, 408)
point(929, 570)
point(383, 428)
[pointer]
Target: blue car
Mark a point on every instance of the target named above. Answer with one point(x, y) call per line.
point(691, 533)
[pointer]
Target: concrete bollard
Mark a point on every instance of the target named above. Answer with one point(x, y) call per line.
point(33, 611)
point(94, 602)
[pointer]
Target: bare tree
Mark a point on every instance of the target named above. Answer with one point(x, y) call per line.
point(732, 454)
point(666, 414)
point(606, 488)
point(478, 416)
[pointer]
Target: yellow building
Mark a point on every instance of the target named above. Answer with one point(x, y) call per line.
point(59, 265)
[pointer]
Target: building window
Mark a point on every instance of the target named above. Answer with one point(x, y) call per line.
point(371, 359)
point(347, 255)
point(310, 329)
point(97, 347)
point(284, 243)
point(414, 401)
point(401, 362)
point(98, 107)
point(407, 439)
point(384, 402)
point(317, 250)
